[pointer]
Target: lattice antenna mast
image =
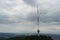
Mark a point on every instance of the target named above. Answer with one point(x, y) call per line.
point(38, 31)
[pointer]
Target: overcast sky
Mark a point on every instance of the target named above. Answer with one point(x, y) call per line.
point(17, 16)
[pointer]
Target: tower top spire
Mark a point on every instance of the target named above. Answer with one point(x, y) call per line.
point(38, 31)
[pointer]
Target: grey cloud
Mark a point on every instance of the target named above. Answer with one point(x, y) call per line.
point(44, 18)
point(5, 9)
point(4, 19)
point(32, 17)
point(7, 4)
point(54, 18)
point(48, 15)
point(30, 2)
point(49, 12)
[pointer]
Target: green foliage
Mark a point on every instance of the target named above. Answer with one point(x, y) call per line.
point(44, 37)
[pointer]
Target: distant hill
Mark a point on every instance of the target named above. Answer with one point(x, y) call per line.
point(55, 36)
point(4, 36)
point(32, 37)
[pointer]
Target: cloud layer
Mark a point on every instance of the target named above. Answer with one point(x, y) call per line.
point(20, 15)
point(49, 11)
